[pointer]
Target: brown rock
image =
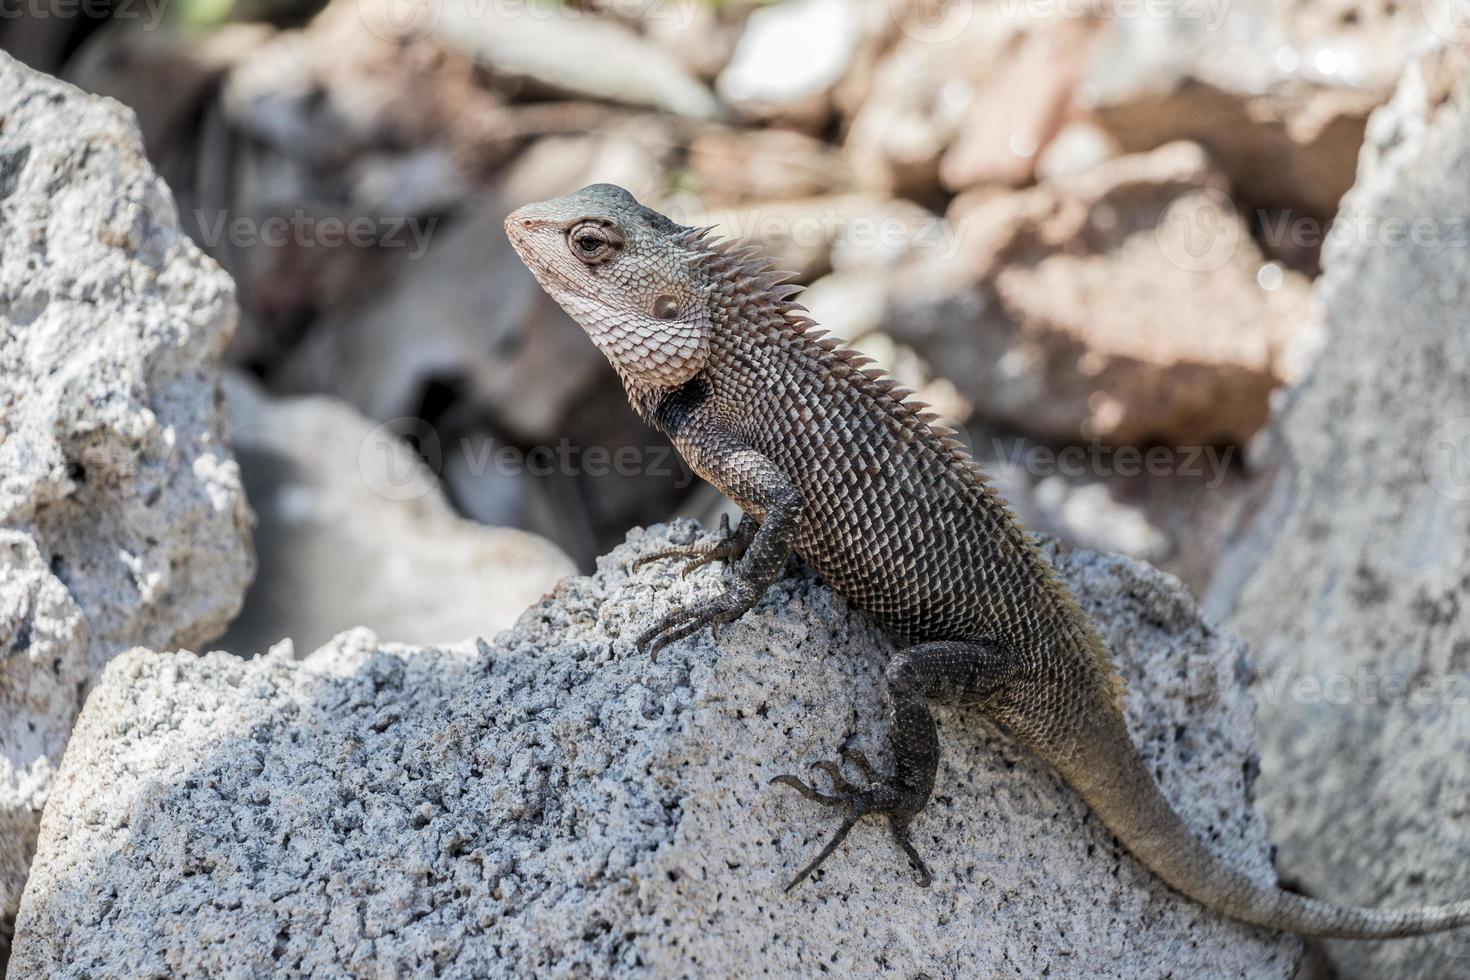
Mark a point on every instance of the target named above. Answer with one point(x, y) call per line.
point(919, 96)
point(1295, 147)
point(1128, 305)
point(1278, 92)
point(1019, 110)
point(765, 164)
point(963, 89)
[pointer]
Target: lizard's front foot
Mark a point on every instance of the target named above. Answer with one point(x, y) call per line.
point(730, 546)
point(726, 607)
point(884, 796)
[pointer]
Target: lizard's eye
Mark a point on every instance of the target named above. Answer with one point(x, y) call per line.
point(592, 242)
point(665, 307)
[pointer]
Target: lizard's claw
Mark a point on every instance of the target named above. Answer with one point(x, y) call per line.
point(726, 607)
point(883, 797)
point(727, 548)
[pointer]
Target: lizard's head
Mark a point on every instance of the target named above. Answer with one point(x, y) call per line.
point(627, 274)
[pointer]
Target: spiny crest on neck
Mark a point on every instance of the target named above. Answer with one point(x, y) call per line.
point(746, 286)
point(752, 293)
point(740, 281)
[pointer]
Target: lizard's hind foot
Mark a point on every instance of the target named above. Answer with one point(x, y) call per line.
point(883, 797)
point(715, 612)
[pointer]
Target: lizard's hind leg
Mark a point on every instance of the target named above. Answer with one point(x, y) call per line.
point(949, 671)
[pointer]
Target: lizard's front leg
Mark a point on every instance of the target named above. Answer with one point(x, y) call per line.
point(948, 671)
point(729, 546)
point(744, 474)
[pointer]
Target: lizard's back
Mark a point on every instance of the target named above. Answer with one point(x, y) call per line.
point(881, 500)
point(897, 517)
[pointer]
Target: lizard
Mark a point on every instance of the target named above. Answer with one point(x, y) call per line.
point(828, 458)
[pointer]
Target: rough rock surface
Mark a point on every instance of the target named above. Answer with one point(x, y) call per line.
point(557, 804)
point(1128, 304)
point(122, 521)
point(1351, 583)
point(353, 530)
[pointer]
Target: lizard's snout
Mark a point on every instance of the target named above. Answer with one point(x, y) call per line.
point(518, 222)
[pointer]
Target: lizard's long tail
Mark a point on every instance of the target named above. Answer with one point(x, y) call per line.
point(1107, 771)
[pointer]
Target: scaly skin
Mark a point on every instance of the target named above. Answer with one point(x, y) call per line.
point(828, 459)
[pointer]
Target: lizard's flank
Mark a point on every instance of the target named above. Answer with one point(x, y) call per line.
point(828, 458)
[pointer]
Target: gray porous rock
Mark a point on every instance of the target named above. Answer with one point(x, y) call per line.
point(556, 804)
point(122, 521)
point(1351, 583)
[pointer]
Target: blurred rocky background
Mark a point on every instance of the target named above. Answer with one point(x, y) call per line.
point(1089, 232)
point(1085, 230)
